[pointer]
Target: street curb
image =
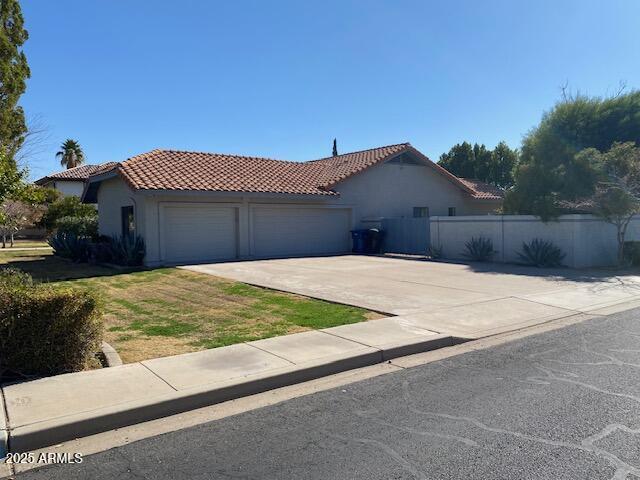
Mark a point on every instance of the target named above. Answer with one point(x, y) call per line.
point(110, 355)
point(43, 434)
point(50, 432)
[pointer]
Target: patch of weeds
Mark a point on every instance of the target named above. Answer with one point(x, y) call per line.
point(168, 328)
point(117, 329)
point(223, 340)
point(242, 290)
point(132, 307)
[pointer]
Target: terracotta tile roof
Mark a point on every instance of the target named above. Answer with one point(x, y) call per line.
point(83, 172)
point(331, 170)
point(177, 170)
point(200, 171)
point(483, 191)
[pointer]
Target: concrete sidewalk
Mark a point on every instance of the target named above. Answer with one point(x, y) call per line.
point(51, 410)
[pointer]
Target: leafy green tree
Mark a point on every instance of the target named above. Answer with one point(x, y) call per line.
point(65, 207)
point(492, 166)
point(551, 174)
point(11, 179)
point(70, 154)
point(460, 160)
point(503, 163)
point(14, 71)
point(616, 197)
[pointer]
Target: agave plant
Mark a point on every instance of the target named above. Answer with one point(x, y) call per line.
point(434, 252)
point(127, 250)
point(479, 249)
point(541, 253)
point(69, 245)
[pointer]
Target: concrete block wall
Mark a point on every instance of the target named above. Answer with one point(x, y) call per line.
point(586, 240)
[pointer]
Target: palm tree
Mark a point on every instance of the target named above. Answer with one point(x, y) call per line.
point(71, 154)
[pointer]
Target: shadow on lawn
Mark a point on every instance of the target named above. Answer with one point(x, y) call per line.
point(49, 268)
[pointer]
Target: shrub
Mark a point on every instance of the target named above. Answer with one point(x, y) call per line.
point(65, 207)
point(435, 252)
point(126, 250)
point(46, 330)
point(541, 253)
point(71, 246)
point(632, 253)
point(13, 278)
point(479, 249)
point(79, 226)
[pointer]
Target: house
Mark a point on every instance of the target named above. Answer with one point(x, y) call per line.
point(197, 207)
point(71, 182)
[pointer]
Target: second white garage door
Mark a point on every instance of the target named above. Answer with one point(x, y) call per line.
point(194, 233)
point(293, 231)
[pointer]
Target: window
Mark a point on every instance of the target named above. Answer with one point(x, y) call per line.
point(452, 211)
point(128, 221)
point(420, 212)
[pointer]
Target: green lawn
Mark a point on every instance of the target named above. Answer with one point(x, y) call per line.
point(28, 243)
point(155, 313)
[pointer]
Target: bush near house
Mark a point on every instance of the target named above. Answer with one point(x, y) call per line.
point(70, 245)
point(541, 253)
point(127, 251)
point(80, 226)
point(65, 207)
point(123, 250)
point(632, 253)
point(479, 249)
point(45, 330)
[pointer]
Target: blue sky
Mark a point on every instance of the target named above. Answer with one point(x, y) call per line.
point(283, 78)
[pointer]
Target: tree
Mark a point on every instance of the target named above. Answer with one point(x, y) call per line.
point(14, 71)
point(65, 207)
point(16, 215)
point(492, 166)
point(616, 197)
point(459, 160)
point(70, 154)
point(335, 148)
point(551, 174)
point(11, 179)
point(503, 163)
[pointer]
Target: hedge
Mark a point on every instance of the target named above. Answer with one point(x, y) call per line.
point(45, 330)
point(79, 226)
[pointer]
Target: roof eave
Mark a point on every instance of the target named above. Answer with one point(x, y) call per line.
point(224, 193)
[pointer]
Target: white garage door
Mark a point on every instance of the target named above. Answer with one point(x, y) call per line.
point(193, 233)
point(288, 231)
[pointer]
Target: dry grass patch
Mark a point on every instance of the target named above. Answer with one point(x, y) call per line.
point(156, 313)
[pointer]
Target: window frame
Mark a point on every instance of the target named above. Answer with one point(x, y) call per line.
point(420, 210)
point(127, 221)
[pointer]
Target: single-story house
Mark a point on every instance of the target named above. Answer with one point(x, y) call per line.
point(71, 182)
point(197, 207)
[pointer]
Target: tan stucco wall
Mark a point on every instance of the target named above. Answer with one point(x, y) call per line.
point(392, 190)
point(68, 188)
point(388, 190)
point(586, 240)
point(112, 195)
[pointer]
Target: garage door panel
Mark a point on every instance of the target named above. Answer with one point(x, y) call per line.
point(196, 233)
point(289, 231)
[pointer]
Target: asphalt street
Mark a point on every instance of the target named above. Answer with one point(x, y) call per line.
point(560, 405)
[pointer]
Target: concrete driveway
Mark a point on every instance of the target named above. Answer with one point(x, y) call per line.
point(459, 299)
